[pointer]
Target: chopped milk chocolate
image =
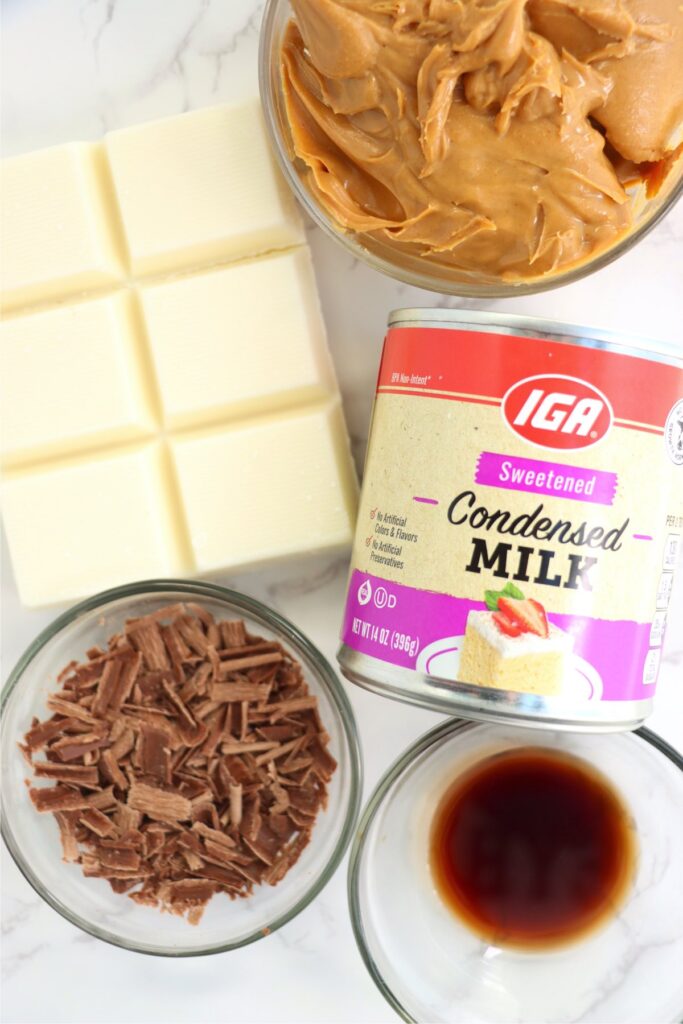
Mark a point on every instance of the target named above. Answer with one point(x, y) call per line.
point(187, 759)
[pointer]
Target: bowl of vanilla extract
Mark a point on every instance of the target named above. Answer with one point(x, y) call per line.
point(501, 874)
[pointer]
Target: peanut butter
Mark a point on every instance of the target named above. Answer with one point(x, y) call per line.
point(485, 136)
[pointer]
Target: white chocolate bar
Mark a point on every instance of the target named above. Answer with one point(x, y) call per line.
point(169, 404)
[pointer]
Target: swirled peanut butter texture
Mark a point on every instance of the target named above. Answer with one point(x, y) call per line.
point(492, 137)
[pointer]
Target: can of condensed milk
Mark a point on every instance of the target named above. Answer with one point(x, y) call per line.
point(520, 521)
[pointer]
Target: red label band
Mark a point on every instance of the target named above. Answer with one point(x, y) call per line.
point(478, 364)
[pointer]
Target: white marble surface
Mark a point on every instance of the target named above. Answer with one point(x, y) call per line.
point(71, 69)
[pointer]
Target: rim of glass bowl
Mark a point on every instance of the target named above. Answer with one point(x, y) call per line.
point(301, 645)
point(484, 290)
point(444, 730)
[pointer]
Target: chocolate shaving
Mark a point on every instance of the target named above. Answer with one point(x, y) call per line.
point(113, 689)
point(251, 818)
point(191, 631)
point(61, 798)
point(97, 822)
point(67, 671)
point(110, 771)
point(231, 881)
point(214, 834)
point(233, 634)
point(279, 733)
point(238, 692)
point(120, 857)
point(235, 805)
point(196, 684)
point(251, 661)
point(213, 633)
point(188, 759)
point(126, 819)
point(71, 748)
point(169, 611)
point(305, 800)
point(41, 733)
point(149, 642)
point(191, 891)
point(75, 774)
point(158, 804)
point(279, 750)
point(287, 707)
point(71, 709)
point(154, 757)
point(67, 834)
point(178, 651)
point(247, 747)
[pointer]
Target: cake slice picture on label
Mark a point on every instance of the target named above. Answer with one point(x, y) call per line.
point(512, 646)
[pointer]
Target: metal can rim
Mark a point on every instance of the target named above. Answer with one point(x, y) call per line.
point(540, 327)
point(485, 703)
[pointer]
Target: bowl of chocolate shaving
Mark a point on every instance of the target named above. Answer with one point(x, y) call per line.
point(181, 772)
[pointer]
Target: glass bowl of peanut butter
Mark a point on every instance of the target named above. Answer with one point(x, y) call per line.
point(478, 147)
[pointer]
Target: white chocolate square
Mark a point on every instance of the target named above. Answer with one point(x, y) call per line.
point(57, 224)
point(243, 339)
point(200, 188)
point(79, 527)
point(271, 488)
point(71, 378)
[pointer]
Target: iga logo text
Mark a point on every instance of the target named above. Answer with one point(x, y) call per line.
point(556, 411)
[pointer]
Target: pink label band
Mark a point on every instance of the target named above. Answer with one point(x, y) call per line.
point(422, 630)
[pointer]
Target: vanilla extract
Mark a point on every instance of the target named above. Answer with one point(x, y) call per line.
point(532, 849)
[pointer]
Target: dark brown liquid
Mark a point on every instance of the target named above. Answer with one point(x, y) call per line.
point(532, 848)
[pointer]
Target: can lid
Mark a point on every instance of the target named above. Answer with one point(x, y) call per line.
point(539, 327)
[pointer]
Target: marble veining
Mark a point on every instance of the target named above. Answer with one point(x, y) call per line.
point(75, 69)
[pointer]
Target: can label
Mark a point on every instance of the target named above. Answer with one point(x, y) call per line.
point(521, 514)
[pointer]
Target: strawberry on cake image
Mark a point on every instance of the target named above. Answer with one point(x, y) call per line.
point(512, 646)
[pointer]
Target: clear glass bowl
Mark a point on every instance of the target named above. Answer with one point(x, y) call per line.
point(384, 257)
point(431, 967)
point(90, 903)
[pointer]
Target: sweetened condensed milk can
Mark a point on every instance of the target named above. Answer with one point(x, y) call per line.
point(520, 521)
